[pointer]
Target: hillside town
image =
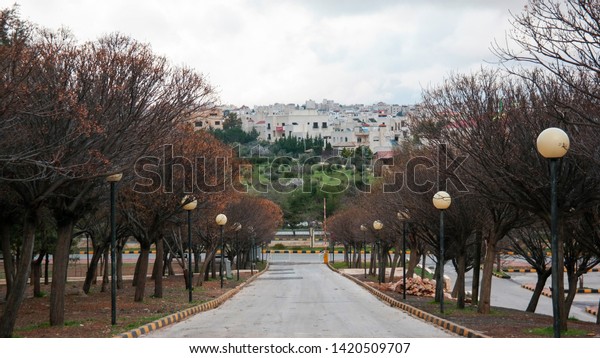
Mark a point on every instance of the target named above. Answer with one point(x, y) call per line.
point(380, 126)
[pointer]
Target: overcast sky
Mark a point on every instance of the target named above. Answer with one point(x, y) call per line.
point(265, 51)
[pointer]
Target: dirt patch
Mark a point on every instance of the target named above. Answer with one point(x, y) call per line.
point(90, 315)
point(500, 323)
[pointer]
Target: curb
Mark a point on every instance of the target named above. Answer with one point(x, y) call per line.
point(546, 292)
point(595, 269)
point(588, 290)
point(427, 317)
point(505, 276)
point(181, 315)
point(592, 310)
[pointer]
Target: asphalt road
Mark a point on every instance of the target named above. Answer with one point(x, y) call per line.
point(296, 298)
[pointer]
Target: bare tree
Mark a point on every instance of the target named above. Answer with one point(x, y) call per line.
point(563, 37)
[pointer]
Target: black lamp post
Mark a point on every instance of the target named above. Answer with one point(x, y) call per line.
point(221, 221)
point(113, 180)
point(403, 216)
point(441, 201)
point(251, 228)
point(378, 225)
point(237, 227)
point(364, 229)
point(553, 144)
point(189, 204)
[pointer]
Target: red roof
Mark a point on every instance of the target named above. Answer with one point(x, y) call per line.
point(384, 154)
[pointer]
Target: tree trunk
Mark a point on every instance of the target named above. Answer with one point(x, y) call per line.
point(17, 293)
point(36, 274)
point(347, 255)
point(142, 271)
point(170, 270)
point(214, 268)
point(196, 258)
point(384, 261)
point(9, 266)
point(484, 305)
point(158, 268)
point(395, 263)
point(424, 265)
point(203, 274)
point(476, 269)
point(92, 269)
point(373, 263)
point(572, 280)
point(46, 269)
point(460, 282)
point(498, 263)
point(413, 261)
point(60, 264)
point(136, 271)
point(542, 277)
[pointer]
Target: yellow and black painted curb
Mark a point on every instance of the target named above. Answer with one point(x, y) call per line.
point(181, 315)
point(124, 252)
point(313, 251)
point(595, 269)
point(592, 310)
point(546, 292)
point(588, 290)
point(520, 270)
point(427, 317)
point(504, 276)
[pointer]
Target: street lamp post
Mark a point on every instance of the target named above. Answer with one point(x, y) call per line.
point(364, 229)
point(553, 143)
point(251, 228)
point(378, 225)
point(441, 201)
point(189, 204)
point(237, 227)
point(221, 221)
point(113, 180)
point(403, 216)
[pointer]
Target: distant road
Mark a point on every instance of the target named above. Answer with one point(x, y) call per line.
point(296, 298)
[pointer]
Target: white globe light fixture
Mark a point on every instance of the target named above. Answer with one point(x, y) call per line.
point(221, 219)
point(114, 178)
point(377, 225)
point(189, 203)
point(442, 200)
point(553, 143)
